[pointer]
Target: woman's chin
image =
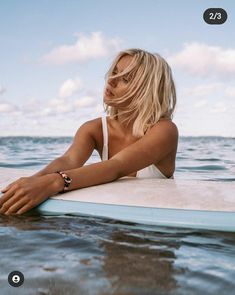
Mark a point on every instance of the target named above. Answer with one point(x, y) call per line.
point(108, 102)
point(105, 101)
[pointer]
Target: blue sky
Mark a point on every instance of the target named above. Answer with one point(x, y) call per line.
point(54, 55)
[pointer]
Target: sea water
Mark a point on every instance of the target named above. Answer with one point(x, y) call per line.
point(87, 255)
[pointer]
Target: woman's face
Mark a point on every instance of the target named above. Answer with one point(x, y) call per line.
point(117, 87)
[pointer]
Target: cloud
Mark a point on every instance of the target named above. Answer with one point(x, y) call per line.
point(86, 48)
point(60, 106)
point(2, 89)
point(31, 106)
point(205, 61)
point(86, 101)
point(59, 109)
point(200, 103)
point(56, 106)
point(69, 87)
point(7, 108)
point(202, 90)
point(230, 91)
point(56, 102)
point(219, 107)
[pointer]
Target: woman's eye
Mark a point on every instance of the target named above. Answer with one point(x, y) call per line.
point(126, 80)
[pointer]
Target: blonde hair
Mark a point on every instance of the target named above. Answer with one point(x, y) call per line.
point(151, 91)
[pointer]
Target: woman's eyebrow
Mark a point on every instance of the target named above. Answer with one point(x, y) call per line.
point(116, 69)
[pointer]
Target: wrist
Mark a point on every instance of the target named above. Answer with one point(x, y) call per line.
point(57, 182)
point(66, 179)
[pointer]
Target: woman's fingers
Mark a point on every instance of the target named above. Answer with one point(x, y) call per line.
point(25, 194)
point(25, 208)
point(6, 188)
point(12, 199)
point(16, 206)
point(12, 196)
point(10, 185)
point(3, 200)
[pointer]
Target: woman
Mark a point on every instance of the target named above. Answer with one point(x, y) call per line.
point(137, 139)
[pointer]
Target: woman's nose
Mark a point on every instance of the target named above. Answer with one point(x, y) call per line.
point(112, 82)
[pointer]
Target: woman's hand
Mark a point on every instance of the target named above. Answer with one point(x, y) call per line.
point(27, 192)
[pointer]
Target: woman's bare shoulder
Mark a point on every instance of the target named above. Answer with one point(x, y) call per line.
point(168, 124)
point(165, 125)
point(93, 124)
point(94, 127)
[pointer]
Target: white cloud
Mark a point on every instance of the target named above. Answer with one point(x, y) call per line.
point(85, 101)
point(69, 87)
point(36, 122)
point(230, 91)
point(86, 48)
point(60, 106)
point(46, 111)
point(219, 107)
point(59, 109)
point(32, 106)
point(2, 89)
point(202, 90)
point(201, 103)
point(56, 102)
point(205, 61)
point(7, 108)
point(62, 109)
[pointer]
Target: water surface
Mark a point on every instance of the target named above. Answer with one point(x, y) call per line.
point(86, 255)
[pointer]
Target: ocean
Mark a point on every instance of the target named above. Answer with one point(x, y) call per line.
point(86, 255)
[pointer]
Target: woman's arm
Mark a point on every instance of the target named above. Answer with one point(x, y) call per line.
point(160, 141)
point(89, 175)
point(28, 192)
point(151, 148)
point(60, 163)
point(77, 154)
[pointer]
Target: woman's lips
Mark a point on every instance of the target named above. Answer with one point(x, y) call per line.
point(108, 92)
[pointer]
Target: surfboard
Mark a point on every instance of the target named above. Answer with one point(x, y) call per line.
point(162, 202)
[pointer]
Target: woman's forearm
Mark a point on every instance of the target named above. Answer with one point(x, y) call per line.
point(59, 164)
point(89, 175)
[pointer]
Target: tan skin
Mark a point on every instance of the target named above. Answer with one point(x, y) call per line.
point(127, 155)
point(118, 140)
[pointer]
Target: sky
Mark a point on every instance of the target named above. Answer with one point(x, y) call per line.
point(54, 56)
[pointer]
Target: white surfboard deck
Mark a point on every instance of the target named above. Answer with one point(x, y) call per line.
point(167, 202)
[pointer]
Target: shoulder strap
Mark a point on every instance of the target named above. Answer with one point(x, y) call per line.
point(105, 138)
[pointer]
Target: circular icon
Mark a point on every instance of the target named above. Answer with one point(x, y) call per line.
point(15, 278)
point(215, 16)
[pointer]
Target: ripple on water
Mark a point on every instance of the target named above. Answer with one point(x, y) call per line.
point(204, 167)
point(62, 255)
point(208, 159)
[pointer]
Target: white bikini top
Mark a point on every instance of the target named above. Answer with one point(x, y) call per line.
point(148, 172)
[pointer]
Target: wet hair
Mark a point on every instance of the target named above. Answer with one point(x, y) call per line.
point(150, 94)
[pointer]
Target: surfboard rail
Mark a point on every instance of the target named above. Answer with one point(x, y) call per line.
point(178, 203)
